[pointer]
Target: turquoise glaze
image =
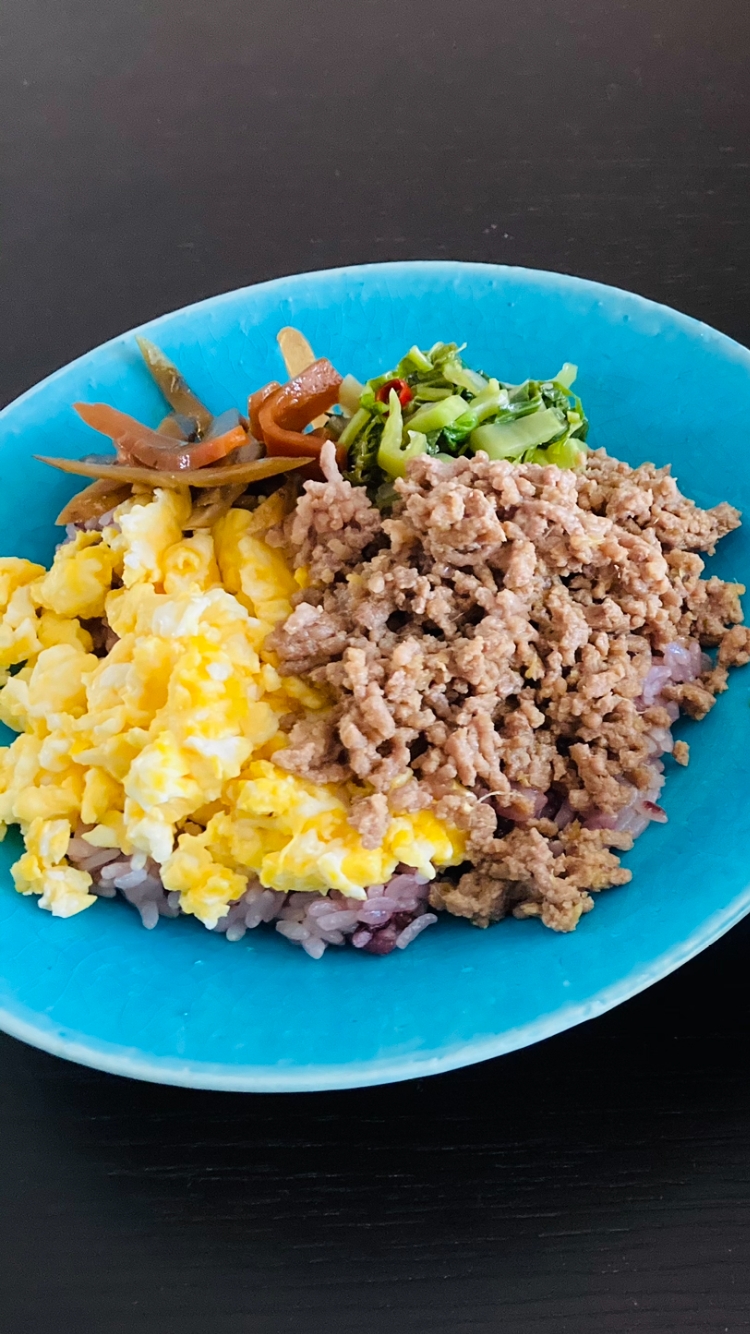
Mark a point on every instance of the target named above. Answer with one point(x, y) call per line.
point(182, 1006)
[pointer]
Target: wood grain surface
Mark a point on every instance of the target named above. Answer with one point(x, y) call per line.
point(155, 153)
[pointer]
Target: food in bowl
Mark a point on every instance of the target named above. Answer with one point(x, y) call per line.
point(365, 655)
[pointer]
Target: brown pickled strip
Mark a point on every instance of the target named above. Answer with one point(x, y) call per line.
point(213, 504)
point(170, 427)
point(174, 387)
point(94, 501)
point(252, 471)
point(284, 414)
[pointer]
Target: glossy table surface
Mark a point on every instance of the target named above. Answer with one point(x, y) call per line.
point(153, 154)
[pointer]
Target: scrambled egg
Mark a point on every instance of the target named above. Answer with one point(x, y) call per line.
point(164, 747)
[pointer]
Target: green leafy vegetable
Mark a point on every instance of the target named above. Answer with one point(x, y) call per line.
point(393, 456)
point(363, 467)
point(430, 393)
point(434, 416)
point(354, 426)
point(458, 374)
point(419, 359)
point(566, 453)
point(567, 376)
point(454, 409)
point(503, 440)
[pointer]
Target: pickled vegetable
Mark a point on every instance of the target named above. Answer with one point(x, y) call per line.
point(434, 416)
point(295, 350)
point(94, 501)
point(212, 504)
point(505, 440)
point(453, 409)
point(350, 392)
point(255, 403)
point(252, 471)
point(393, 454)
point(136, 443)
point(177, 428)
point(174, 387)
point(284, 413)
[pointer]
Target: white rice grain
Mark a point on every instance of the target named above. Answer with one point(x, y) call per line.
point(315, 947)
point(115, 869)
point(131, 880)
point(293, 931)
point(149, 914)
point(414, 929)
point(336, 921)
point(236, 931)
point(379, 912)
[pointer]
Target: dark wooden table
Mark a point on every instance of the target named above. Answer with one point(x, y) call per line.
point(155, 153)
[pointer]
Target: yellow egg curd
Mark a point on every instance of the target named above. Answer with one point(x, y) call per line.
point(164, 747)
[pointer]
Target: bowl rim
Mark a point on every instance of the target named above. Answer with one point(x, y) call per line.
point(116, 1059)
point(541, 277)
point(36, 1030)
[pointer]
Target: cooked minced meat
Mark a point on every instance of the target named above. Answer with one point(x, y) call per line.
point(491, 650)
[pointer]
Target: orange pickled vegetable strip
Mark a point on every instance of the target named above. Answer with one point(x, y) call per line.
point(137, 443)
point(196, 455)
point(284, 414)
point(298, 355)
point(255, 404)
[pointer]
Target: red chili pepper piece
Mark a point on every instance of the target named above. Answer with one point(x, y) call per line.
point(403, 391)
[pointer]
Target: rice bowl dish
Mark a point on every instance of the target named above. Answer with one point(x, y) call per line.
point(438, 675)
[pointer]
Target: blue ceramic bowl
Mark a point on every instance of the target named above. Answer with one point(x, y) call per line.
point(180, 1005)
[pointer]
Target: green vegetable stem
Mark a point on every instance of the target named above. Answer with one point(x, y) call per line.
point(393, 456)
point(444, 408)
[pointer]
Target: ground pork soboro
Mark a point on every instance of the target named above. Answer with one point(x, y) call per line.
point(510, 647)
